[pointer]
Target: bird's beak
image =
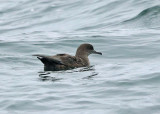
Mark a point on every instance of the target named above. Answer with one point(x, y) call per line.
point(95, 52)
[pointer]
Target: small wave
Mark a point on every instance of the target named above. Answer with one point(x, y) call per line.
point(147, 18)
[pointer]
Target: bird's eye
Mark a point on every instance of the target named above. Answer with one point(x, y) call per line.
point(90, 47)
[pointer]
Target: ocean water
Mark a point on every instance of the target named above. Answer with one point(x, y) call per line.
point(124, 80)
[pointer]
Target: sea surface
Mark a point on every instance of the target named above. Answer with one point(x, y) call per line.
point(124, 80)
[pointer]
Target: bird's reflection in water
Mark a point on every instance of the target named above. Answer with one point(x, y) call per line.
point(82, 69)
point(91, 76)
point(45, 76)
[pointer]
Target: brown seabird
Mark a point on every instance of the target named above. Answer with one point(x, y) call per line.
point(65, 61)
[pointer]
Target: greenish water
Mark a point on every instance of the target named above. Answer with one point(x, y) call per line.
point(124, 80)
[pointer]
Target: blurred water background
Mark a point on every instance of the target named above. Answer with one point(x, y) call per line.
point(125, 80)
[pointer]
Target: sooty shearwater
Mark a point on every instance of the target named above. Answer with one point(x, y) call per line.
point(65, 61)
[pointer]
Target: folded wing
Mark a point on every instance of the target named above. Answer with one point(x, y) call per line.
point(49, 60)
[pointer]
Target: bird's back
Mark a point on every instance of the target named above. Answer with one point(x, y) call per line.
point(61, 62)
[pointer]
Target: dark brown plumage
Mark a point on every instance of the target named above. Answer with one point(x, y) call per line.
point(65, 61)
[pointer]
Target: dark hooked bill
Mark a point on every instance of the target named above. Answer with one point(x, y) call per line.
point(95, 52)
